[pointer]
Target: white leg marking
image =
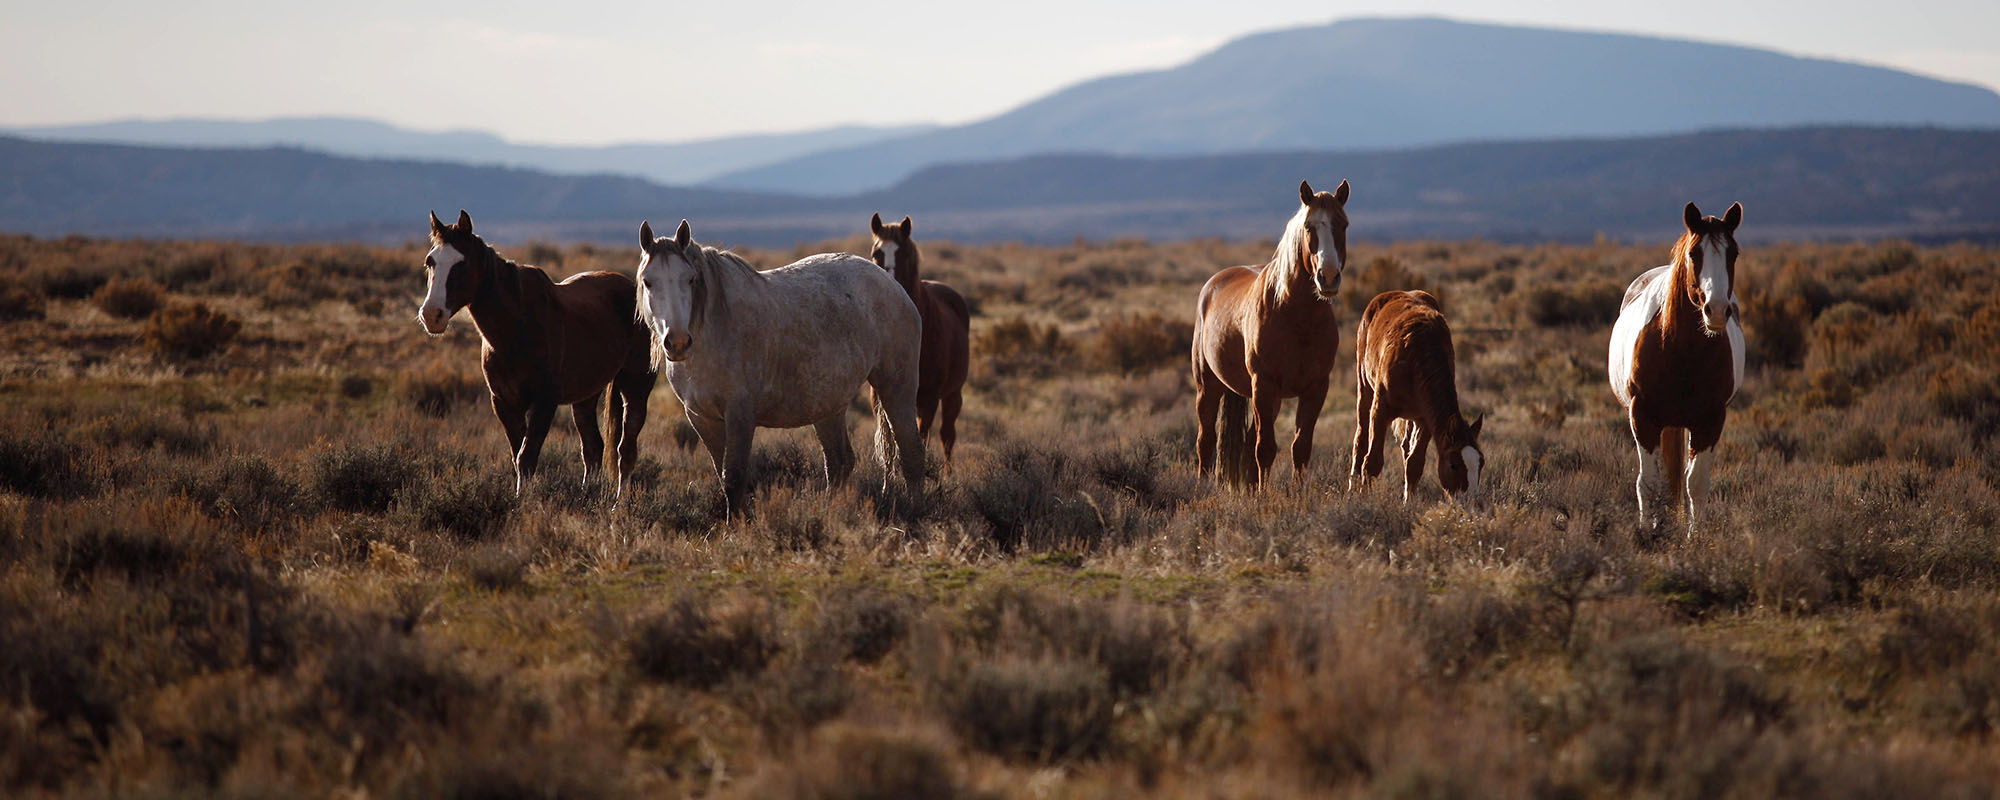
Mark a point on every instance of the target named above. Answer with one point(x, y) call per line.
point(1697, 476)
point(1648, 465)
point(1473, 462)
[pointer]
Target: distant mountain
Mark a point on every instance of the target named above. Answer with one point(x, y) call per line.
point(1801, 183)
point(687, 162)
point(1399, 83)
point(54, 188)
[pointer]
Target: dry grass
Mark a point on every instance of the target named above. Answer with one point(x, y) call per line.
point(293, 564)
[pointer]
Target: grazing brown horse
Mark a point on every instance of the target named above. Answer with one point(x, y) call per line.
point(1677, 356)
point(1404, 370)
point(947, 331)
point(544, 344)
point(1263, 334)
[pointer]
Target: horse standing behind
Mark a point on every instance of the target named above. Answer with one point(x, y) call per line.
point(1404, 370)
point(1676, 356)
point(947, 331)
point(782, 349)
point(1263, 334)
point(544, 344)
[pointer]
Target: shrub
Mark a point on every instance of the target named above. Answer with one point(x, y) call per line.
point(436, 390)
point(18, 302)
point(1967, 394)
point(1015, 346)
point(864, 624)
point(496, 567)
point(1046, 710)
point(847, 762)
point(130, 298)
point(697, 645)
point(190, 331)
point(358, 478)
point(469, 506)
point(44, 463)
point(1588, 303)
point(246, 489)
point(1139, 342)
point(355, 387)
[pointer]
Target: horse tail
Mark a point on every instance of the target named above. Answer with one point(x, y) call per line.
point(1233, 437)
point(1673, 462)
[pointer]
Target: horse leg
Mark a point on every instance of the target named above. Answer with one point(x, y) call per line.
point(584, 414)
point(514, 421)
point(834, 445)
point(948, 422)
point(1364, 409)
point(634, 391)
point(1307, 417)
point(1673, 466)
point(1379, 418)
point(1264, 403)
point(1701, 442)
point(1208, 392)
point(739, 427)
point(1415, 439)
point(541, 412)
point(1646, 436)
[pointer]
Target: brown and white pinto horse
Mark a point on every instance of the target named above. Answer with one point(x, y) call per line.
point(1263, 334)
point(947, 331)
point(544, 344)
point(1404, 370)
point(1677, 356)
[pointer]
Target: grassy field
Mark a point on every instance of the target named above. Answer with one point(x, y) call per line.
point(258, 538)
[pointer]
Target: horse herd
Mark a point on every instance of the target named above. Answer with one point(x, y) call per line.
point(788, 347)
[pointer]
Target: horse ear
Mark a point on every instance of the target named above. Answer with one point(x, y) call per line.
point(1472, 433)
point(1733, 217)
point(646, 236)
point(1691, 216)
point(683, 236)
point(1340, 193)
point(1305, 192)
point(906, 226)
point(464, 221)
point(437, 227)
point(875, 224)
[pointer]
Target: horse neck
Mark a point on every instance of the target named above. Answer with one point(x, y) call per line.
point(498, 307)
point(1437, 396)
point(1679, 314)
point(906, 276)
point(1290, 286)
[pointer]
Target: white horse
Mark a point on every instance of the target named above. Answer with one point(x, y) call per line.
point(782, 349)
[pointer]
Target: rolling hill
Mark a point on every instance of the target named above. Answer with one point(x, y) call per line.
point(686, 162)
point(1399, 83)
point(1818, 182)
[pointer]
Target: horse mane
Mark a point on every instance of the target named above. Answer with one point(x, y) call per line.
point(1680, 273)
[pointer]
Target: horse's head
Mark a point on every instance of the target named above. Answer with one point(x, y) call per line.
point(449, 286)
point(1324, 217)
point(1709, 248)
point(671, 288)
point(893, 249)
point(1459, 458)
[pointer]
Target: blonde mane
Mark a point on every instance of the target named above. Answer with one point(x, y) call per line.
point(1290, 256)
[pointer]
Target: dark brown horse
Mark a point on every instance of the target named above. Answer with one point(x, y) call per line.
point(1677, 356)
point(947, 331)
point(1264, 334)
point(1404, 370)
point(545, 344)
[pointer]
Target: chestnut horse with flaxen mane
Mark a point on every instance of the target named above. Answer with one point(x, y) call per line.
point(947, 331)
point(1405, 371)
point(1264, 334)
point(544, 344)
point(1677, 356)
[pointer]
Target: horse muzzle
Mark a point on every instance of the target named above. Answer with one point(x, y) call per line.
point(434, 320)
point(676, 345)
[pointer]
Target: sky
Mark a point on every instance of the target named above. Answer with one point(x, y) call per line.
point(603, 72)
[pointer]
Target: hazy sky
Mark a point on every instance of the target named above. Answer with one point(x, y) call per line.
point(580, 72)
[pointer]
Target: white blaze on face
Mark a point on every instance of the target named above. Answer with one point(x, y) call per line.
point(434, 311)
point(1473, 462)
point(888, 256)
point(1329, 258)
point(667, 282)
point(1715, 289)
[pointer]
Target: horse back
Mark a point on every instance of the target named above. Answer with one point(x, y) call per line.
point(1399, 330)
